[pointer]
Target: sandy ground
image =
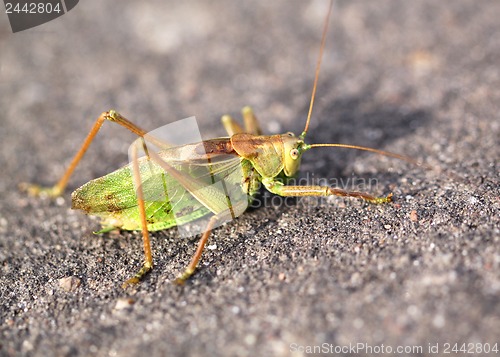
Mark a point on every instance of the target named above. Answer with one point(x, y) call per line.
point(419, 78)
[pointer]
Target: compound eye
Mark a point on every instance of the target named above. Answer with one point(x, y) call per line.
point(294, 153)
point(290, 134)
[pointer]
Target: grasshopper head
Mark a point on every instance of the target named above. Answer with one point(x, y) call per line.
point(293, 149)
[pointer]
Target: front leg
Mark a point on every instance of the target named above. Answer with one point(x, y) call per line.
point(281, 189)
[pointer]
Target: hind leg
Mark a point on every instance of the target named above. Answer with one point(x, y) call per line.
point(251, 124)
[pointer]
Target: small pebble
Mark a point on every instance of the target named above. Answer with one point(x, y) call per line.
point(69, 283)
point(124, 303)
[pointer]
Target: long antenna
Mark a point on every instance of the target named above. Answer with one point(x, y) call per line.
point(318, 66)
point(380, 152)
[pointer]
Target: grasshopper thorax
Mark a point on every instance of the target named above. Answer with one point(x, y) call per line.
point(270, 154)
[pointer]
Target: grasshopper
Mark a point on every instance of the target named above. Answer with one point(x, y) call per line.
point(256, 158)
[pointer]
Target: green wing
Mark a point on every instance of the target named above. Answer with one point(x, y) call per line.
point(167, 200)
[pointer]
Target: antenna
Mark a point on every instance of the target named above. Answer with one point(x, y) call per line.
point(380, 152)
point(318, 66)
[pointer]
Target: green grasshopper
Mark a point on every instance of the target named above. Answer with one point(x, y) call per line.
point(248, 159)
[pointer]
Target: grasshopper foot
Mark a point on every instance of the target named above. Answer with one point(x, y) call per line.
point(181, 279)
point(381, 200)
point(136, 279)
point(39, 191)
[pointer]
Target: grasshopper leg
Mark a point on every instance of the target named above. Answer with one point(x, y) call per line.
point(197, 255)
point(60, 186)
point(232, 127)
point(148, 260)
point(251, 124)
point(279, 188)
